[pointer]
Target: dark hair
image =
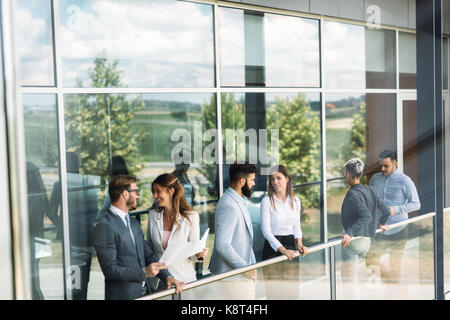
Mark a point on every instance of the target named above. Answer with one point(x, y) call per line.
point(179, 202)
point(241, 170)
point(118, 184)
point(388, 154)
point(289, 190)
point(117, 166)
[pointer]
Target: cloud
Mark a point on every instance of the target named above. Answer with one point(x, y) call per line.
point(34, 47)
point(345, 55)
point(291, 48)
point(162, 43)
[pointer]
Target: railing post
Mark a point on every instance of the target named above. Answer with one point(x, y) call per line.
point(332, 253)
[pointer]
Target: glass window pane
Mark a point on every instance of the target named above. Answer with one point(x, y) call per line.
point(446, 106)
point(147, 131)
point(388, 267)
point(41, 144)
point(357, 125)
point(407, 60)
point(35, 42)
point(291, 121)
point(447, 196)
point(445, 60)
point(358, 57)
point(263, 49)
point(138, 37)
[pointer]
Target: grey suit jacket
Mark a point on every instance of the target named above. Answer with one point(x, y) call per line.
point(121, 262)
point(233, 243)
point(362, 210)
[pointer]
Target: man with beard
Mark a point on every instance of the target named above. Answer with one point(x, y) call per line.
point(400, 194)
point(233, 243)
point(125, 257)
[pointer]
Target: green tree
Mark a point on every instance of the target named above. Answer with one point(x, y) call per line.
point(99, 126)
point(233, 117)
point(299, 146)
point(357, 147)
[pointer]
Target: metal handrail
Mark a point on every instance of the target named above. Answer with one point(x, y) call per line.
point(214, 278)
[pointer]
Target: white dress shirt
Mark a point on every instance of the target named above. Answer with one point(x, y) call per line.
point(282, 222)
point(120, 213)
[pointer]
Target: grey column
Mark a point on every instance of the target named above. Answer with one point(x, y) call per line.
point(430, 125)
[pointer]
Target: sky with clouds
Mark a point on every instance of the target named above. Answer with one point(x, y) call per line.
point(164, 43)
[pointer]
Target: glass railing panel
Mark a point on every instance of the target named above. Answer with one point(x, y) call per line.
point(303, 278)
point(447, 251)
point(398, 266)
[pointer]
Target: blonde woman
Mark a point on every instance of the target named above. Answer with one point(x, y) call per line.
point(173, 221)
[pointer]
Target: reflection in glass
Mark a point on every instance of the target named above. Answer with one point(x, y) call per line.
point(407, 60)
point(445, 61)
point(336, 190)
point(82, 202)
point(35, 42)
point(358, 57)
point(148, 132)
point(302, 278)
point(263, 49)
point(356, 126)
point(411, 142)
point(310, 214)
point(393, 269)
point(138, 36)
point(296, 118)
point(41, 144)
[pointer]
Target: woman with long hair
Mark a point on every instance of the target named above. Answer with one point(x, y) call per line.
point(280, 217)
point(280, 224)
point(171, 222)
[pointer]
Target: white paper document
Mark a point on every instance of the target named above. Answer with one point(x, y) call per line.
point(177, 252)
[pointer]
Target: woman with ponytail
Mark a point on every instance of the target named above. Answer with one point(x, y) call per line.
point(172, 221)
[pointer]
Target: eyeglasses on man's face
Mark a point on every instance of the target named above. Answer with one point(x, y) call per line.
point(135, 190)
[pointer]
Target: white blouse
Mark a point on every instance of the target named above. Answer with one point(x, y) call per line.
point(186, 231)
point(285, 221)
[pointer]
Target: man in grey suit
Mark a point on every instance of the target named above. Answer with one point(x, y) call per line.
point(125, 257)
point(363, 210)
point(233, 243)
